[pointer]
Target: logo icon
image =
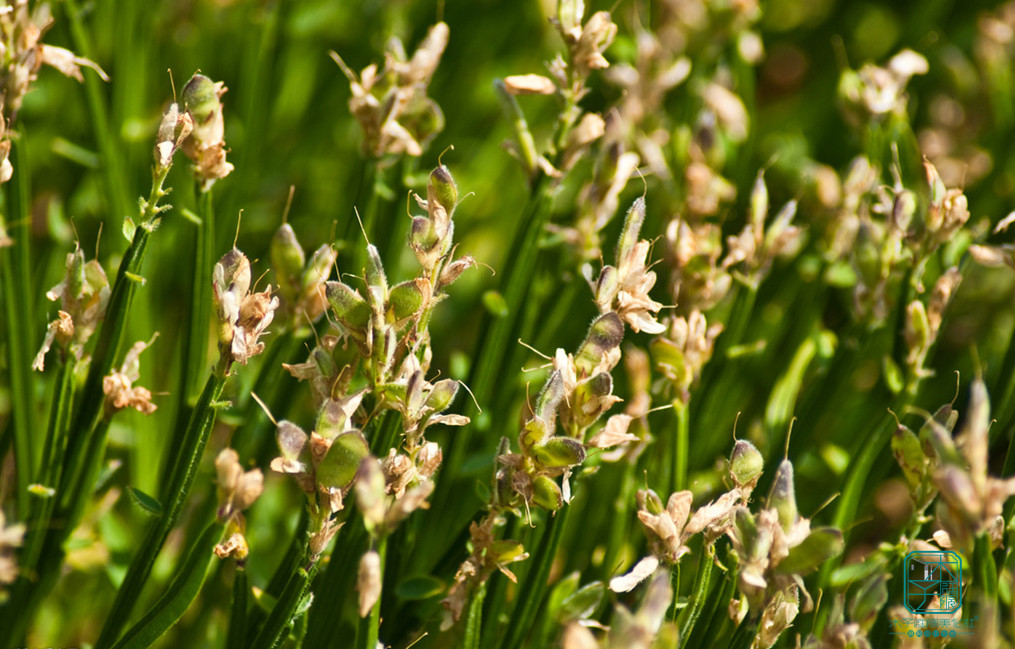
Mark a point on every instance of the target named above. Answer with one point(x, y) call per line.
point(933, 582)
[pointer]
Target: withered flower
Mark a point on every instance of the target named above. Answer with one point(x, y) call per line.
point(83, 294)
point(243, 316)
point(119, 386)
point(391, 104)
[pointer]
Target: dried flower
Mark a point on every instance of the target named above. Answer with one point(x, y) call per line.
point(119, 386)
point(237, 489)
point(391, 104)
point(83, 295)
point(243, 316)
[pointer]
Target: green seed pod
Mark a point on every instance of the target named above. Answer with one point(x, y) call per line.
point(75, 275)
point(918, 335)
point(559, 452)
point(370, 493)
point(746, 464)
point(533, 433)
point(632, 228)
point(550, 396)
point(349, 307)
point(201, 97)
point(605, 335)
point(423, 236)
point(607, 286)
point(343, 459)
point(546, 493)
point(407, 299)
point(820, 545)
point(442, 394)
point(782, 498)
point(320, 267)
point(375, 271)
point(910, 456)
point(444, 188)
point(287, 258)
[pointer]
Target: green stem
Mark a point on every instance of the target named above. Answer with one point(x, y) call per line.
point(985, 572)
point(474, 619)
point(237, 635)
point(530, 596)
point(689, 616)
point(52, 460)
point(19, 320)
point(178, 597)
point(278, 621)
point(174, 495)
point(681, 445)
point(196, 335)
point(370, 627)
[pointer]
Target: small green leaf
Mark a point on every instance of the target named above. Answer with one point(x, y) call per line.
point(583, 603)
point(495, 303)
point(41, 490)
point(820, 545)
point(147, 503)
point(419, 587)
point(128, 229)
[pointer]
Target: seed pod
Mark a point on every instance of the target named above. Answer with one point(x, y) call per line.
point(444, 188)
point(288, 259)
point(349, 307)
point(546, 493)
point(782, 498)
point(559, 452)
point(201, 97)
point(632, 228)
point(407, 299)
point(746, 464)
point(370, 495)
point(343, 459)
point(910, 456)
point(605, 335)
point(442, 394)
point(759, 205)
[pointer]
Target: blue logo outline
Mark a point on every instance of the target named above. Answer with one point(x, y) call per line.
point(929, 573)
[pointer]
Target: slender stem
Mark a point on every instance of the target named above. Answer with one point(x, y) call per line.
point(18, 318)
point(690, 615)
point(178, 597)
point(474, 619)
point(237, 635)
point(531, 595)
point(196, 335)
point(49, 471)
point(174, 494)
point(681, 445)
point(274, 627)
